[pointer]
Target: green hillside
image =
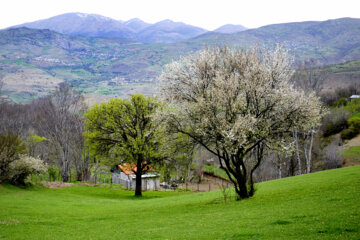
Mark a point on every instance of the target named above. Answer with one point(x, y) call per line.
point(322, 205)
point(32, 62)
point(330, 41)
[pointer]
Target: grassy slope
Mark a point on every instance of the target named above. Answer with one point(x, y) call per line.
point(323, 205)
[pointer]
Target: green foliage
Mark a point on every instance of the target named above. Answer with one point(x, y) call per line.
point(322, 205)
point(353, 106)
point(215, 171)
point(11, 147)
point(35, 139)
point(52, 171)
point(180, 151)
point(355, 115)
point(354, 123)
point(354, 128)
point(124, 128)
point(341, 102)
point(348, 134)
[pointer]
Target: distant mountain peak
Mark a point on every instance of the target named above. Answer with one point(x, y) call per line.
point(166, 21)
point(82, 15)
point(230, 28)
point(94, 25)
point(133, 20)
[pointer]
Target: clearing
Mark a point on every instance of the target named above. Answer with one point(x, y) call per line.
point(322, 205)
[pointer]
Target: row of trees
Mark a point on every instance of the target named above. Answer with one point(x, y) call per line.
point(237, 104)
point(50, 128)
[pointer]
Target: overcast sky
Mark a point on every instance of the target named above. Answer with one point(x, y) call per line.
point(208, 14)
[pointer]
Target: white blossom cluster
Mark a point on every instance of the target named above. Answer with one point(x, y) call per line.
point(234, 99)
point(25, 166)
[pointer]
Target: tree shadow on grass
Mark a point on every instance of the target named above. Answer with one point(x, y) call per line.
point(113, 194)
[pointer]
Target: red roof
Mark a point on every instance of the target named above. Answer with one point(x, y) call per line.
point(130, 168)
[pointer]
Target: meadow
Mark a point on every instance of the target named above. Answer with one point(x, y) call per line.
point(321, 205)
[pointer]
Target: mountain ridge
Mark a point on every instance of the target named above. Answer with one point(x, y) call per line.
point(117, 67)
point(95, 25)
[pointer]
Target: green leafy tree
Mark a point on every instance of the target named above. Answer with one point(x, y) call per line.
point(126, 128)
point(32, 142)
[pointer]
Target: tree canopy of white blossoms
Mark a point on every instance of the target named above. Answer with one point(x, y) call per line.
point(233, 102)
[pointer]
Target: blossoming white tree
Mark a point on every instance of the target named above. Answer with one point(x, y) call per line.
point(236, 102)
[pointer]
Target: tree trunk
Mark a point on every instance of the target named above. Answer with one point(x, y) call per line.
point(79, 176)
point(138, 190)
point(297, 151)
point(279, 165)
point(308, 157)
point(65, 166)
point(236, 175)
point(243, 193)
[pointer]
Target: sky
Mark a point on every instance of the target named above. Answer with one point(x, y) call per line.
point(208, 14)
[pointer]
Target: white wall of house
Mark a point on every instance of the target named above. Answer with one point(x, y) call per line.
point(147, 182)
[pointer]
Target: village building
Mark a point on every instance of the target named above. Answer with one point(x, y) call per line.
point(355, 97)
point(124, 174)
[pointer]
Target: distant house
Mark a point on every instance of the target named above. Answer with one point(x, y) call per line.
point(124, 174)
point(355, 97)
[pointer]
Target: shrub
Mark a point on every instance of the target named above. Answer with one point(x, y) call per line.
point(11, 147)
point(52, 171)
point(354, 129)
point(341, 102)
point(21, 168)
point(335, 121)
point(332, 155)
point(354, 123)
point(348, 134)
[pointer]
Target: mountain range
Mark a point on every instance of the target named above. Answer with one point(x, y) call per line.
point(93, 25)
point(33, 61)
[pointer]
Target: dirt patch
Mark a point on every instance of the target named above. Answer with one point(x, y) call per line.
point(56, 184)
point(351, 160)
point(9, 222)
point(353, 142)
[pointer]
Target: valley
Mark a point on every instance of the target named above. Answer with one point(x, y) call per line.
point(105, 67)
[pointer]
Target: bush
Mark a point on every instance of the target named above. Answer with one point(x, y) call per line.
point(354, 123)
point(21, 168)
point(341, 102)
point(332, 155)
point(52, 171)
point(335, 121)
point(348, 134)
point(354, 129)
point(11, 147)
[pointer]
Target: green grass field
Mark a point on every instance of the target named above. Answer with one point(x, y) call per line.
point(353, 153)
point(322, 205)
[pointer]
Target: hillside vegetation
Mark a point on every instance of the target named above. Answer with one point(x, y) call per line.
point(322, 205)
point(116, 66)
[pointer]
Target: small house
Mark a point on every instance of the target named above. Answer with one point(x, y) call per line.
point(124, 174)
point(355, 97)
